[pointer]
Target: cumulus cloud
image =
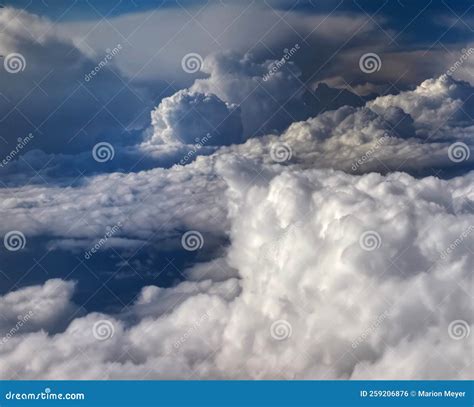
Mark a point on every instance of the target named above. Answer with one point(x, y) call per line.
point(378, 137)
point(46, 307)
point(343, 307)
point(266, 105)
point(191, 118)
point(412, 131)
point(440, 107)
point(318, 258)
point(391, 133)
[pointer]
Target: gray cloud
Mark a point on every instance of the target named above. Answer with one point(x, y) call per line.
point(52, 98)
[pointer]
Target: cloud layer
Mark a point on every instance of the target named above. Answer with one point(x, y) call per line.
point(339, 277)
point(331, 227)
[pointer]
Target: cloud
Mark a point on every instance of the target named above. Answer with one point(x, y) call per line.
point(391, 133)
point(191, 118)
point(353, 139)
point(51, 97)
point(343, 307)
point(158, 40)
point(46, 307)
point(71, 114)
point(84, 211)
point(412, 132)
point(332, 38)
point(318, 258)
point(266, 105)
point(440, 107)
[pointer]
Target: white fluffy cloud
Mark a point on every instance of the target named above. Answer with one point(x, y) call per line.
point(40, 307)
point(411, 132)
point(190, 118)
point(307, 272)
point(440, 107)
point(296, 242)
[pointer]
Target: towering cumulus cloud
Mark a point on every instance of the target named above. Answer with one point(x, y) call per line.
point(188, 117)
